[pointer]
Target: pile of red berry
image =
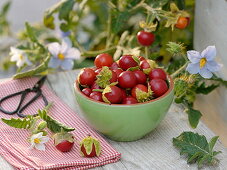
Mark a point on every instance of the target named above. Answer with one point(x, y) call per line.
point(130, 80)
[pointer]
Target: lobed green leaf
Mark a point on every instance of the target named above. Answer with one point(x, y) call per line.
point(24, 123)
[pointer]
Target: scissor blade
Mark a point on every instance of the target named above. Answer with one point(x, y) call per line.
point(40, 83)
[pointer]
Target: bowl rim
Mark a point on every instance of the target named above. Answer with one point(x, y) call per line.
point(171, 86)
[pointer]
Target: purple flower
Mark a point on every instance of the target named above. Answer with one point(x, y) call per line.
point(203, 63)
point(63, 54)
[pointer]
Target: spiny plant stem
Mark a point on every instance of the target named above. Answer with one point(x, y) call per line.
point(179, 70)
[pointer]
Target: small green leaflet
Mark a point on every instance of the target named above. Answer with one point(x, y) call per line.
point(193, 117)
point(39, 69)
point(24, 123)
point(119, 18)
point(53, 124)
point(203, 89)
point(197, 148)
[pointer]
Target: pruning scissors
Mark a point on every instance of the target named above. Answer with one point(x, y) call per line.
point(35, 89)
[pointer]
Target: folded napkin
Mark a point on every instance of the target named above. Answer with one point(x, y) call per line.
point(15, 148)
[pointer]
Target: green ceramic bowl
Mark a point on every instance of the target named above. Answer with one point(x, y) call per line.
point(125, 122)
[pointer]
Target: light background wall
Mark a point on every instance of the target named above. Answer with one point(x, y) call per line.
point(211, 29)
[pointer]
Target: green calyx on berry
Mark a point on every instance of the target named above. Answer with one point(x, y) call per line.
point(152, 64)
point(103, 78)
point(106, 90)
point(143, 96)
point(88, 143)
point(62, 136)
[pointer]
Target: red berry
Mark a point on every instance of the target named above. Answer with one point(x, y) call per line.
point(87, 143)
point(140, 87)
point(141, 58)
point(92, 154)
point(95, 95)
point(123, 92)
point(158, 86)
point(95, 86)
point(129, 100)
point(63, 141)
point(98, 70)
point(127, 79)
point(144, 64)
point(87, 77)
point(145, 38)
point(103, 60)
point(118, 71)
point(141, 78)
point(157, 73)
point(127, 61)
point(65, 146)
point(114, 66)
point(87, 91)
point(114, 77)
point(115, 96)
point(182, 22)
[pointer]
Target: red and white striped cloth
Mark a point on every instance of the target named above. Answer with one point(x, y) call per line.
point(14, 146)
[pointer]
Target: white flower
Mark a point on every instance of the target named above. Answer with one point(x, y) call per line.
point(63, 54)
point(37, 141)
point(203, 63)
point(19, 56)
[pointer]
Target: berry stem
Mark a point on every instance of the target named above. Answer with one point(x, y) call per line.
point(146, 52)
point(179, 70)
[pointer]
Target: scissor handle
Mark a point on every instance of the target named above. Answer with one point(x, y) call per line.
point(38, 94)
point(22, 93)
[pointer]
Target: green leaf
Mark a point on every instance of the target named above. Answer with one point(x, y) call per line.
point(203, 89)
point(65, 9)
point(212, 142)
point(41, 68)
point(31, 32)
point(193, 117)
point(54, 125)
point(196, 147)
point(119, 19)
point(5, 8)
point(24, 123)
point(220, 80)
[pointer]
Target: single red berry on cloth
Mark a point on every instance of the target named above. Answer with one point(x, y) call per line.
point(103, 60)
point(129, 100)
point(63, 141)
point(157, 73)
point(112, 94)
point(87, 91)
point(87, 77)
point(145, 38)
point(140, 87)
point(182, 22)
point(118, 71)
point(90, 147)
point(158, 86)
point(114, 66)
point(95, 95)
point(127, 79)
point(127, 61)
point(141, 78)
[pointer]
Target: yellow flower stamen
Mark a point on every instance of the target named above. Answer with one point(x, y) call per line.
point(37, 140)
point(202, 62)
point(21, 57)
point(61, 56)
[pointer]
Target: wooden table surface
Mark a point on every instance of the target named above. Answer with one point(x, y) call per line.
point(155, 151)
